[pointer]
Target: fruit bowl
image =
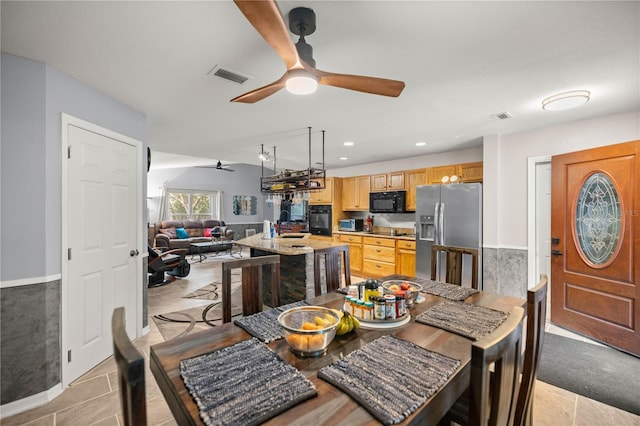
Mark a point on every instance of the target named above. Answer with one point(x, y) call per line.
point(411, 289)
point(309, 329)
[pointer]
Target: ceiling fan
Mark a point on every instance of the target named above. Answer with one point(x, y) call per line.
point(266, 19)
point(218, 166)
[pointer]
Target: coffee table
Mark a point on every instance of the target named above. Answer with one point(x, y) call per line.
point(198, 247)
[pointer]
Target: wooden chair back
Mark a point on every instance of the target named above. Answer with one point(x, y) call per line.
point(130, 364)
point(251, 284)
point(331, 257)
point(493, 400)
point(536, 317)
point(453, 263)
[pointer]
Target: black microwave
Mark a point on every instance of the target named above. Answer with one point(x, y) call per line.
point(387, 202)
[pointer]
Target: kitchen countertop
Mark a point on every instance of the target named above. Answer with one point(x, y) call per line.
point(286, 244)
point(378, 234)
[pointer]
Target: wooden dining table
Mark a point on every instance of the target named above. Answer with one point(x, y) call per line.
point(331, 406)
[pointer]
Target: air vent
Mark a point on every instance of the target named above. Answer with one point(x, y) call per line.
point(502, 116)
point(227, 74)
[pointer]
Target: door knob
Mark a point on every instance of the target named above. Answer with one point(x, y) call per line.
point(133, 253)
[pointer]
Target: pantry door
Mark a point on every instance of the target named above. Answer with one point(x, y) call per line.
point(595, 244)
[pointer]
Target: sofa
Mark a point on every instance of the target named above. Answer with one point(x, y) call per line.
point(174, 234)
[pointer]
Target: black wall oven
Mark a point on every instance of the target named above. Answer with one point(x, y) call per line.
point(320, 220)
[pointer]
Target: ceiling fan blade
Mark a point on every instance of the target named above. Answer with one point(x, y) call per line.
point(262, 92)
point(267, 20)
point(360, 83)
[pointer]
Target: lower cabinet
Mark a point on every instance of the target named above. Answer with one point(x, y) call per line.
point(355, 252)
point(406, 257)
point(378, 256)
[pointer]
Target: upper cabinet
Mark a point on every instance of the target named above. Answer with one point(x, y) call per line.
point(414, 178)
point(323, 196)
point(471, 172)
point(437, 173)
point(355, 193)
point(393, 181)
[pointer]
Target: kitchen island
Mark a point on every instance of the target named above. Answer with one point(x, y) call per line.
point(296, 264)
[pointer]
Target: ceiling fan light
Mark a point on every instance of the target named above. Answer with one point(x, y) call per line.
point(566, 100)
point(301, 82)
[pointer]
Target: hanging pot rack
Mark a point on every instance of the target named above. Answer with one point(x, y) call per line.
point(292, 181)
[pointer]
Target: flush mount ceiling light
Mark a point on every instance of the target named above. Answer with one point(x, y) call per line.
point(566, 100)
point(301, 82)
point(348, 143)
point(421, 143)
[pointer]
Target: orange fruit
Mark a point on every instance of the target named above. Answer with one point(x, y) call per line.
point(309, 326)
point(298, 342)
point(316, 342)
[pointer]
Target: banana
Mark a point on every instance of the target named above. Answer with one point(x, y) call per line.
point(356, 322)
point(322, 322)
point(347, 324)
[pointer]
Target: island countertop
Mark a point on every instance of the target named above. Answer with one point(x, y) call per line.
point(286, 244)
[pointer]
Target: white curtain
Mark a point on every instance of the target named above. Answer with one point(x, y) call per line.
point(162, 208)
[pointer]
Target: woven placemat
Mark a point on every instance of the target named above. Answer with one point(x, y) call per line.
point(264, 325)
point(243, 384)
point(467, 320)
point(446, 290)
point(380, 377)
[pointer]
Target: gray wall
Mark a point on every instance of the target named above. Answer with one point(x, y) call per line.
point(33, 98)
point(244, 180)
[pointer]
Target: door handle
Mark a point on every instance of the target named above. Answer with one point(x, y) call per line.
point(133, 253)
point(556, 252)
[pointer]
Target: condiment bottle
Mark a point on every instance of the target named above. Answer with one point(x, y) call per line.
point(370, 289)
point(367, 311)
point(379, 311)
point(390, 306)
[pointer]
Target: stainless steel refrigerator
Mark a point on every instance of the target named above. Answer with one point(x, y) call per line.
point(448, 215)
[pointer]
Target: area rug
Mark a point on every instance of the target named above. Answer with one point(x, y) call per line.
point(596, 372)
point(213, 291)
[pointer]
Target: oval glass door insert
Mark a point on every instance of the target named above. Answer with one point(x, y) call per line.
point(598, 219)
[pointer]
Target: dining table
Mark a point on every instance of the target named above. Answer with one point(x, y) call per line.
point(331, 405)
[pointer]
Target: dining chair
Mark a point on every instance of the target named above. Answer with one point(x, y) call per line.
point(130, 364)
point(251, 284)
point(491, 397)
point(536, 317)
point(331, 257)
point(454, 257)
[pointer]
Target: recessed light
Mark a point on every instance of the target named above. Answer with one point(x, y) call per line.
point(566, 100)
point(348, 143)
point(343, 158)
point(421, 143)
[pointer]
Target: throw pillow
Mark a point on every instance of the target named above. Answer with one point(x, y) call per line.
point(170, 232)
point(207, 232)
point(216, 232)
point(182, 233)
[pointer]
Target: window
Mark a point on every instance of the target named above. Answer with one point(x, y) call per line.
point(196, 205)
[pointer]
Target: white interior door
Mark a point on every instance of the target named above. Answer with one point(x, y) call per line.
point(103, 245)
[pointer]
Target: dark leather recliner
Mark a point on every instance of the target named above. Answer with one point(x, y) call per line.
point(173, 262)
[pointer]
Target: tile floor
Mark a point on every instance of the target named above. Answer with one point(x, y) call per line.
point(93, 398)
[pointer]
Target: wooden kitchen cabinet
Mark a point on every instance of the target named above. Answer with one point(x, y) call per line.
point(378, 256)
point(393, 181)
point(471, 172)
point(406, 257)
point(323, 196)
point(437, 173)
point(412, 179)
point(355, 251)
point(355, 193)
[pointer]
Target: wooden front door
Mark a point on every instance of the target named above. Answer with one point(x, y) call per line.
point(595, 244)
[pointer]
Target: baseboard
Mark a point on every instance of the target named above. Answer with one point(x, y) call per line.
point(33, 401)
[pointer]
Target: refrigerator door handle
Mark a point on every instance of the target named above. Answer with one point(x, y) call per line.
point(441, 224)
point(436, 225)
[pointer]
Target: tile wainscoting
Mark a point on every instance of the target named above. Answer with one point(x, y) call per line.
point(504, 271)
point(29, 339)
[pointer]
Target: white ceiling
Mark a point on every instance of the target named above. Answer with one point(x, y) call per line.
point(461, 62)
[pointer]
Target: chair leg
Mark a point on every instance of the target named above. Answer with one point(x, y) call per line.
point(226, 295)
